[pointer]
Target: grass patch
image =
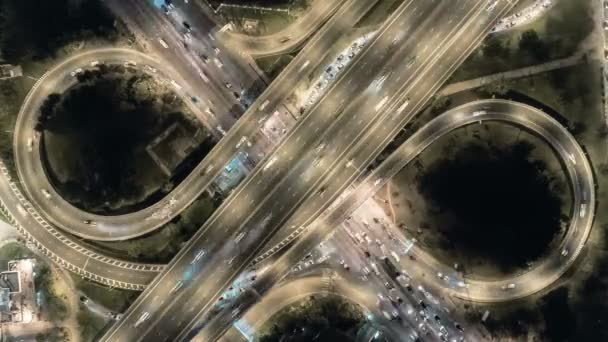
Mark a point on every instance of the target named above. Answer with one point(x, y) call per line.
point(268, 21)
point(557, 34)
point(13, 250)
point(116, 300)
point(53, 304)
point(55, 334)
point(273, 65)
point(90, 325)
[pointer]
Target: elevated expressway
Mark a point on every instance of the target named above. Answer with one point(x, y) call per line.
point(268, 198)
point(315, 283)
point(542, 275)
point(65, 250)
point(126, 226)
point(287, 39)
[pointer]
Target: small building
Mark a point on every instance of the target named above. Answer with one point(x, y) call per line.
point(10, 71)
point(173, 146)
point(17, 293)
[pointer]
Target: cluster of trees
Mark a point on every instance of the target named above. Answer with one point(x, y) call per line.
point(109, 118)
point(489, 197)
point(317, 318)
point(54, 305)
point(32, 28)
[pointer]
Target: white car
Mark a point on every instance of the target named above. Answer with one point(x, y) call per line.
point(94, 63)
point(198, 256)
point(177, 286)
point(508, 286)
point(76, 72)
point(163, 43)
point(239, 237)
point(22, 210)
point(142, 318)
point(46, 193)
point(30, 143)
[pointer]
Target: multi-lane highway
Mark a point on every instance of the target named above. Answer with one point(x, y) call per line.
point(120, 227)
point(544, 273)
point(287, 39)
point(463, 22)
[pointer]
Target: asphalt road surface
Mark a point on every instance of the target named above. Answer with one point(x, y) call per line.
point(466, 33)
point(542, 275)
point(127, 226)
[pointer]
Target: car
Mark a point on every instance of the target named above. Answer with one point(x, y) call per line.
point(178, 286)
point(30, 144)
point(46, 193)
point(216, 49)
point(115, 316)
point(239, 237)
point(94, 63)
point(22, 210)
point(144, 316)
point(508, 286)
point(90, 222)
point(128, 64)
point(218, 63)
point(564, 252)
point(150, 69)
point(84, 300)
point(395, 314)
point(187, 26)
point(228, 85)
point(76, 72)
point(198, 256)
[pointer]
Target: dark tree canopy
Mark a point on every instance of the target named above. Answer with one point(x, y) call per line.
point(499, 201)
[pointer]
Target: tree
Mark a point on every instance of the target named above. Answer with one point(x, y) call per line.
point(495, 47)
point(531, 44)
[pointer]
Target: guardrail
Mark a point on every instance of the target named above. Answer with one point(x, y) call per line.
point(69, 243)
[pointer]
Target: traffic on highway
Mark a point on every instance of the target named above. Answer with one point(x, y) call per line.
point(304, 220)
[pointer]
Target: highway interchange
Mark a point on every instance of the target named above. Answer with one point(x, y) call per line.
point(384, 95)
point(159, 303)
